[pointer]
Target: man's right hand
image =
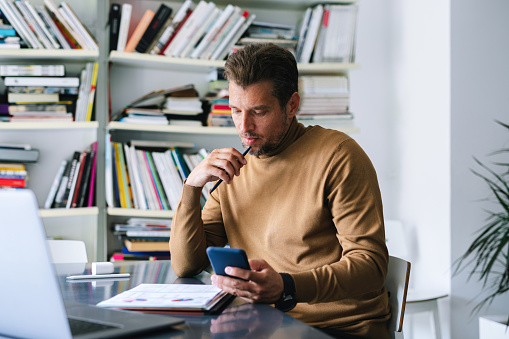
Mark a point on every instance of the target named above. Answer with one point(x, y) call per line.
point(221, 163)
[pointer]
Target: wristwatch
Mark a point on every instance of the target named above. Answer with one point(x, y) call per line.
point(288, 299)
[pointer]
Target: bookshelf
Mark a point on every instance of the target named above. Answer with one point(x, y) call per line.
point(128, 76)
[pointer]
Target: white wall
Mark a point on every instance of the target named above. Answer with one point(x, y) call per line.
point(401, 102)
point(400, 98)
point(480, 92)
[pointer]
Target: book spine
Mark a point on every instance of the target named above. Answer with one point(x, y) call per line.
point(73, 179)
point(59, 198)
point(90, 103)
point(21, 27)
point(54, 186)
point(157, 181)
point(200, 33)
point(236, 38)
point(152, 180)
point(156, 24)
point(85, 155)
point(120, 178)
point(42, 25)
point(229, 35)
point(140, 29)
point(17, 183)
point(146, 182)
point(74, 29)
point(115, 177)
point(79, 27)
point(123, 31)
point(175, 33)
point(92, 176)
point(207, 39)
point(24, 8)
point(85, 180)
point(134, 191)
point(63, 25)
point(114, 21)
point(108, 164)
point(207, 53)
point(168, 32)
point(52, 27)
point(142, 199)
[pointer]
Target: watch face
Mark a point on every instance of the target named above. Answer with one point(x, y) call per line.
point(286, 303)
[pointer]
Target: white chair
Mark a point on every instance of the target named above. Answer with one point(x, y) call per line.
point(67, 251)
point(417, 300)
point(396, 284)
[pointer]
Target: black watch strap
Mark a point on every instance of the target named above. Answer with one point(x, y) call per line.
point(288, 299)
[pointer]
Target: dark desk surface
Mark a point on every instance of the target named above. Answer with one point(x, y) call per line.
point(239, 320)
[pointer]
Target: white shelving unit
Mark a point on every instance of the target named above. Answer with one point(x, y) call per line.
point(130, 76)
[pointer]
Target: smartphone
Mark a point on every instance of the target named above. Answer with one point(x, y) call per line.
point(220, 257)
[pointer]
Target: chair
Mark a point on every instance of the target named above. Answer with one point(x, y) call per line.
point(417, 300)
point(396, 284)
point(67, 251)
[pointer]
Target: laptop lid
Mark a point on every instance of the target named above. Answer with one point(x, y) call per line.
point(32, 305)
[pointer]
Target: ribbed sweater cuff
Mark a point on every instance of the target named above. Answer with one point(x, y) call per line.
point(190, 195)
point(305, 286)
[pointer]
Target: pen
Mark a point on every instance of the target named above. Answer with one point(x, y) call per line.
point(220, 180)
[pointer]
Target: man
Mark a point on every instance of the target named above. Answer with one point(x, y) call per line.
point(305, 202)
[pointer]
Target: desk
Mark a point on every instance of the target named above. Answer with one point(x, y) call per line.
point(239, 320)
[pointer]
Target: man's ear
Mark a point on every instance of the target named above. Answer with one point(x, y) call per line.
point(293, 105)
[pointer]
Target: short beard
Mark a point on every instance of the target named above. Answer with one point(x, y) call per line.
point(272, 143)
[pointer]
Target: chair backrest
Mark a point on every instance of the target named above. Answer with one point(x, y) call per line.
point(396, 284)
point(67, 251)
point(395, 238)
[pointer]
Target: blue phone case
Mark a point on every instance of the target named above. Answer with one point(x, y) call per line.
point(220, 257)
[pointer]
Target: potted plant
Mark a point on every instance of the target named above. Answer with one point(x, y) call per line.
point(489, 252)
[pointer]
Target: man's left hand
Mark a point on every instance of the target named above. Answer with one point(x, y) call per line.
point(263, 284)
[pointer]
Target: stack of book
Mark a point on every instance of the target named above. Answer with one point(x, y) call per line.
point(44, 93)
point(143, 239)
point(203, 31)
point(324, 100)
point(74, 183)
point(178, 105)
point(220, 113)
point(46, 27)
point(13, 175)
point(327, 34)
point(8, 37)
point(148, 175)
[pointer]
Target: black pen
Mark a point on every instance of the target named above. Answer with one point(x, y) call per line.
point(221, 180)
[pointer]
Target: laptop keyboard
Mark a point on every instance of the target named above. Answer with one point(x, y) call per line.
point(84, 327)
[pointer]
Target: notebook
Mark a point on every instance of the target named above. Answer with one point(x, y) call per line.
point(31, 304)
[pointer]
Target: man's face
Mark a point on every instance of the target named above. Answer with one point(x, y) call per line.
point(258, 117)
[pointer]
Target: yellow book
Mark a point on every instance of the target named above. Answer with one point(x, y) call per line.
point(92, 92)
point(118, 166)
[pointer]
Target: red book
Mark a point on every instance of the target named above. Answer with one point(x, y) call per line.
point(19, 183)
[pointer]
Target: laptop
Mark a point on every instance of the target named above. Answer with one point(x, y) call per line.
point(31, 303)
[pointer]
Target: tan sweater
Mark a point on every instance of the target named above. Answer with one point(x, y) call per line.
point(311, 208)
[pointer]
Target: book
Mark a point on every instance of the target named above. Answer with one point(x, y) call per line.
point(78, 26)
point(18, 155)
point(229, 47)
point(65, 27)
point(177, 30)
point(54, 186)
point(114, 23)
point(139, 30)
point(235, 29)
point(312, 34)
point(169, 31)
point(52, 27)
point(194, 28)
point(136, 245)
point(42, 81)
point(200, 33)
point(33, 97)
point(59, 197)
point(92, 88)
point(85, 155)
point(169, 298)
point(70, 179)
point(123, 31)
point(73, 180)
point(185, 32)
point(207, 39)
point(221, 33)
point(32, 70)
point(91, 192)
point(15, 18)
point(15, 183)
point(159, 20)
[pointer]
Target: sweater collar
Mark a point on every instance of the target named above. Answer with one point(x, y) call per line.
point(295, 130)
